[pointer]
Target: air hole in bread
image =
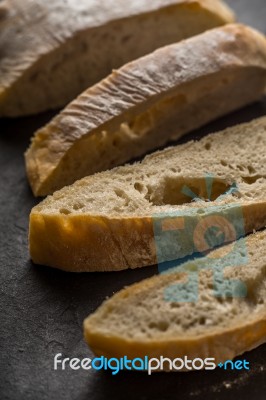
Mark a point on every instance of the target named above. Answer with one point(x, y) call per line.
point(208, 146)
point(175, 170)
point(119, 193)
point(175, 305)
point(161, 325)
point(139, 187)
point(250, 180)
point(156, 114)
point(178, 191)
point(240, 167)
point(251, 170)
point(64, 211)
point(78, 206)
point(122, 195)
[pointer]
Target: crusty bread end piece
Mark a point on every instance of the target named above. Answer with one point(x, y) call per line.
point(149, 319)
point(147, 103)
point(53, 50)
point(105, 222)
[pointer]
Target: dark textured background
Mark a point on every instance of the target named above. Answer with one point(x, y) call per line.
point(42, 309)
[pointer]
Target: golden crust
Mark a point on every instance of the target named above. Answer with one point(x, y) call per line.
point(84, 243)
point(81, 243)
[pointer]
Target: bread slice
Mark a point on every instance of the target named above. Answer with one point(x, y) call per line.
point(53, 50)
point(148, 102)
point(157, 317)
point(109, 221)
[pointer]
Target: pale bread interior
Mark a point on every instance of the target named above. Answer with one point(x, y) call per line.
point(235, 156)
point(152, 309)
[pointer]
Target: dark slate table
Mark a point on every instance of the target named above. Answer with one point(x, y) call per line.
point(42, 309)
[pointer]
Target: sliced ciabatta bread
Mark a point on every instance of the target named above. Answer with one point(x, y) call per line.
point(148, 102)
point(108, 221)
point(53, 50)
point(209, 317)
